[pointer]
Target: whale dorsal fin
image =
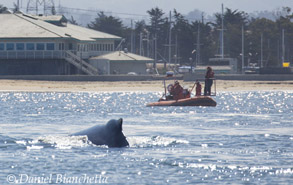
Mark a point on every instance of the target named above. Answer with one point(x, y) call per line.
point(120, 121)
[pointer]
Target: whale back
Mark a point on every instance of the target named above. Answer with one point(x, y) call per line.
point(110, 134)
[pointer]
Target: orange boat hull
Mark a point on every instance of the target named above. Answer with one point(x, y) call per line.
point(194, 101)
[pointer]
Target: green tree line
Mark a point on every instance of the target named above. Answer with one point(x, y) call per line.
point(186, 35)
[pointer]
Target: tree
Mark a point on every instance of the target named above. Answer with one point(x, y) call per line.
point(207, 46)
point(108, 24)
point(53, 10)
point(267, 30)
point(158, 30)
point(15, 9)
point(233, 22)
point(285, 23)
point(184, 34)
point(2, 9)
point(140, 27)
point(156, 20)
point(72, 21)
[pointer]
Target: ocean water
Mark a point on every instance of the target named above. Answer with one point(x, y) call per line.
point(246, 139)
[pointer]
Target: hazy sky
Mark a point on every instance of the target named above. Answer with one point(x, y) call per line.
point(182, 6)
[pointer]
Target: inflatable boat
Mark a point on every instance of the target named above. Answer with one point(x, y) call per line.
point(179, 96)
point(194, 101)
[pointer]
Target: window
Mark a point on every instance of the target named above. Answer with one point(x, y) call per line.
point(70, 46)
point(19, 46)
point(81, 47)
point(40, 46)
point(50, 46)
point(30, 46)
point(9, 46)
point(61, 46)
point(2, 46)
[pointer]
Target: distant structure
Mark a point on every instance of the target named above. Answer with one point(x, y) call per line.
point(49, 45)
point(221, 64)
point(121, 62)
point(38, 6)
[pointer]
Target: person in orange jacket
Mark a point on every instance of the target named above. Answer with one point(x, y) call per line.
point(177, 91)
point(198, 89)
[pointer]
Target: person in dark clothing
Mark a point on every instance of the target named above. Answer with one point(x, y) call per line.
point(208, 81)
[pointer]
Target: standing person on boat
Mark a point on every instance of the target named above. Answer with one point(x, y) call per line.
point(208, 81)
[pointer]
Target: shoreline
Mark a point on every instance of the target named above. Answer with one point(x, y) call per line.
point(139, 86)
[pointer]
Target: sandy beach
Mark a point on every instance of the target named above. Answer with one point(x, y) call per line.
point(156, 86)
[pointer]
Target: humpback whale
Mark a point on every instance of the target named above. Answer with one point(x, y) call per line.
point(110, 134)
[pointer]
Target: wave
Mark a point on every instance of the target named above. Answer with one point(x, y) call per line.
point(59, 142)
point(69, 142)
point(144, 142)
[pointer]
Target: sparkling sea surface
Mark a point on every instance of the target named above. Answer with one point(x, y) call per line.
point(246, 139)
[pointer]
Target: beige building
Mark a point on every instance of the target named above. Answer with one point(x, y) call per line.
point(120, 62)
point(49, 45)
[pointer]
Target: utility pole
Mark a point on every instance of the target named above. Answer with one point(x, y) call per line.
point(197, 61)
point(222, 33)
point(169, 45)
point(278, 50)
point(261, 50)
point(131, 38)
point(155, 61)
point(17, 5)
point(148, 43)
point(283, 46)
point(242, 49)
point(176, 49)
point(140, 44)
point(170, 36)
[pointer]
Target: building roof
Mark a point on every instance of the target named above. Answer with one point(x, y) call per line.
point(122, 56)
point(22, 26)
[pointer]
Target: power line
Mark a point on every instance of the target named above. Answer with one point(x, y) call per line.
point(141, 16)
point(107, 12)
